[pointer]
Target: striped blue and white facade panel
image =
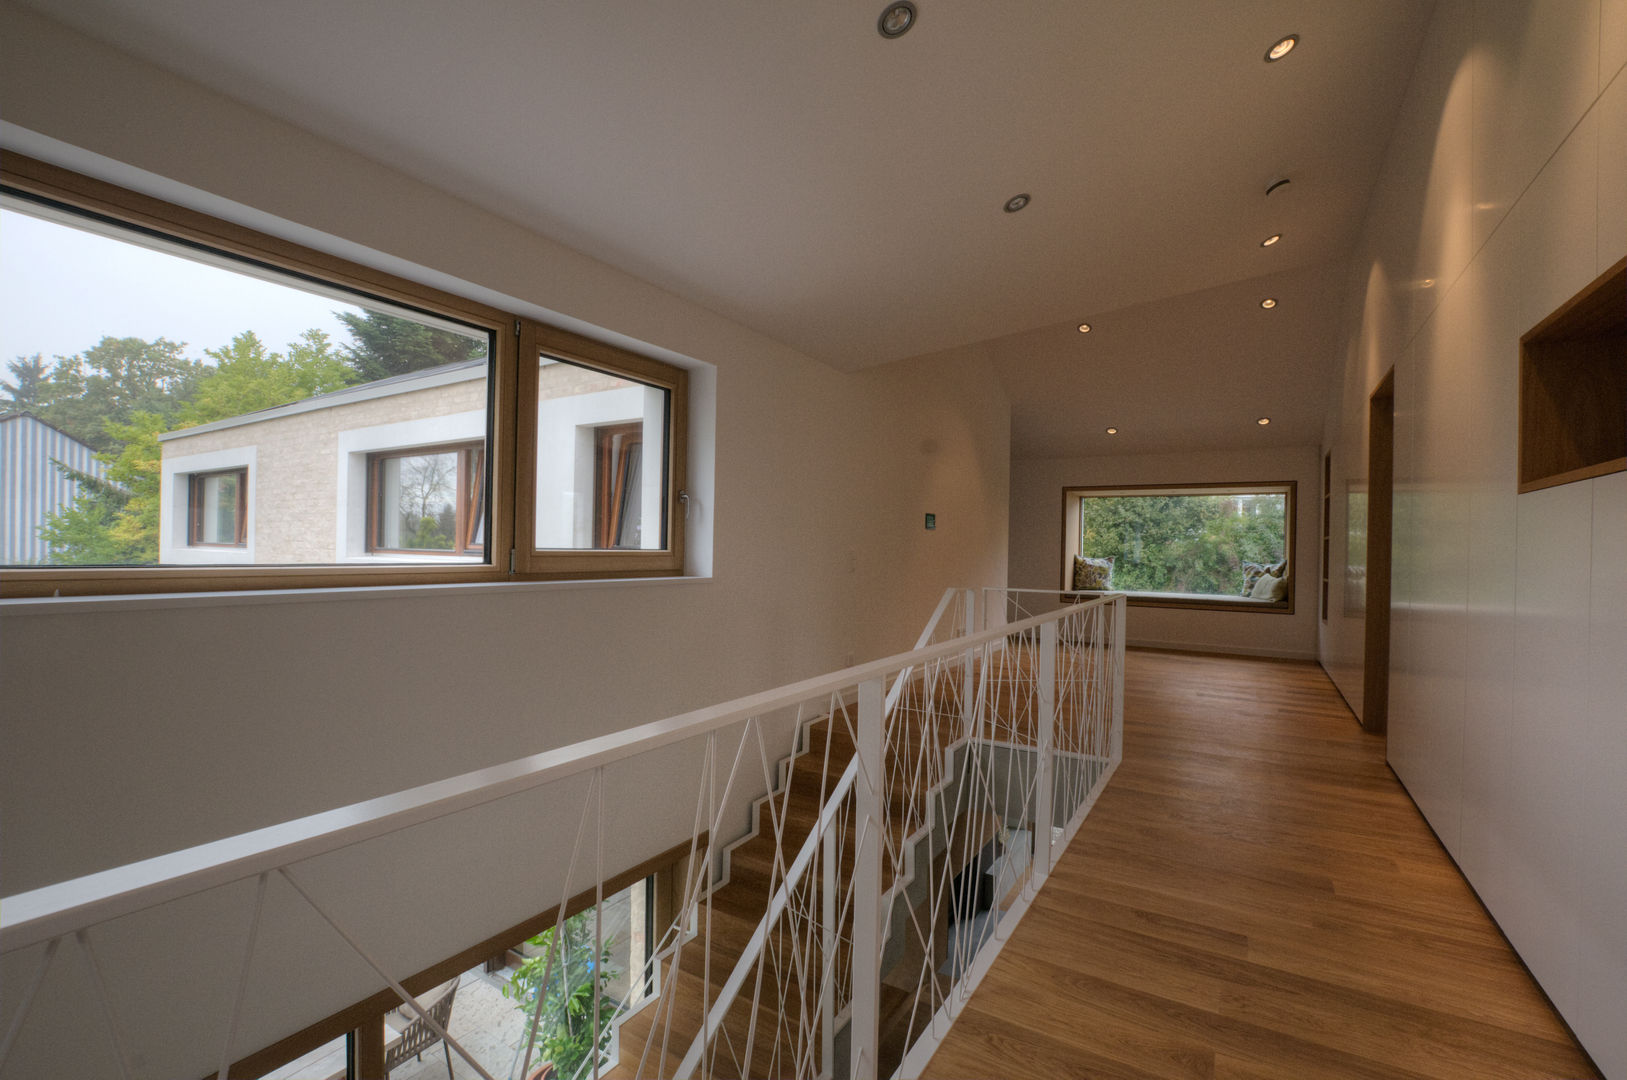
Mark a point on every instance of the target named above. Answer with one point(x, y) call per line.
point(31, 488)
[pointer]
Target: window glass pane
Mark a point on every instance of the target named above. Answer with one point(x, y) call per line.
point(418, 504)
point(134, 363)
point(601, 460)
point(217, 509)
point(1185, 544)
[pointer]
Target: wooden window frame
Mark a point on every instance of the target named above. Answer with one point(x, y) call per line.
point(539, 342)
point(611, 466)
point(194, 508)
point(1070, 542)
point(511, 442)
point(469, 486)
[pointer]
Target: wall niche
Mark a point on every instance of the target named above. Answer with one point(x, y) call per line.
point(1573, 387)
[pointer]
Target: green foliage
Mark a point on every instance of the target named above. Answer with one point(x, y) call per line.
point(246, 378)
point(111, 382)
point(120, 526)
point(385, 345)
point(1182, 543)
point(31, 391)
point(566, 1032)
point(431, 534)
point(82, 533)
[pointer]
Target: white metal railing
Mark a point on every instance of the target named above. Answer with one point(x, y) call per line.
point(982, 765)
point(885, 783)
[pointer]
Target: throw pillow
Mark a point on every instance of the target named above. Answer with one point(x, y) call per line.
point(1252, 573)
point(1092, 573)
point(1270, 587)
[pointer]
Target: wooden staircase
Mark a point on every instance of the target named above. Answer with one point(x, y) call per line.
point(654, 1039)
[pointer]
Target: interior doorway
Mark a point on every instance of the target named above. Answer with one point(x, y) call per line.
point(1380, 509)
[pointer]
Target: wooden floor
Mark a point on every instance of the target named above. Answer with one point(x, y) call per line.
point(1253, 897)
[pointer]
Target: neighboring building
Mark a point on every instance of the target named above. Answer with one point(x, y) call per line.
point(395, 469)
point(32, 488)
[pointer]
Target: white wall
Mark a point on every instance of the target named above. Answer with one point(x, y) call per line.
point(136, 726)
point(1505, 188)
point(1036, 542)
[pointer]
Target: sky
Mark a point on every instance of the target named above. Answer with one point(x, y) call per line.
point(63, 289)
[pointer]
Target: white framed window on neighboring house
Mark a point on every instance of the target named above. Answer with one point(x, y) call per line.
point(428, 499)
point(412, 490)
point(206, 508)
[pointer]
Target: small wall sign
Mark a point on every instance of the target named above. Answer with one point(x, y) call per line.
point(932, 521)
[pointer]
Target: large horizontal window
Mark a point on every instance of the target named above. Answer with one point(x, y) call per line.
point(1226, 546)
point(255, 414)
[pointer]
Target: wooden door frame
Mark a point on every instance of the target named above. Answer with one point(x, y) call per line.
point(1375, 698)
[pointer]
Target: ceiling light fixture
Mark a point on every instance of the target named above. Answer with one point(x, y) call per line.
point(1272, 239)
point(1268, 303)
point(1276, 185)
point(1084, 328)
point(1263, 421)
point(1112, 431)
point(1281, 48)
point(1016, 203)
point(896, 19)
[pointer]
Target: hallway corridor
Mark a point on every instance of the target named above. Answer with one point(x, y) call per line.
point(1254, 897)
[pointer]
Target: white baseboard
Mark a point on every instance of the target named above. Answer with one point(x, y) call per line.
point(1230, 650)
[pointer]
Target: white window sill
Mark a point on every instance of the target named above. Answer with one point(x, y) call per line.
point(1202, 601)
point(63, 605)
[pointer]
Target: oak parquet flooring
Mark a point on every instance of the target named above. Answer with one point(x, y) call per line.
point(1254, 897)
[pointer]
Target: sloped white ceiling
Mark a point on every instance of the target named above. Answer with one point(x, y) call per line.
point(786, 166)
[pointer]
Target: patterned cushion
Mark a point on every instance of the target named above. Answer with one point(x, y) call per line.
point(1092, 573)
point(1253, 572)
point(1269, 587)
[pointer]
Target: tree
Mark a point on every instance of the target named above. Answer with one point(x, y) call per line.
point(82, 533)
point(566, 1033)
point(385, 345)
point(124, 529)
point(246, 378)
point(32, 390)
point(112, 381)
point(1182, 543)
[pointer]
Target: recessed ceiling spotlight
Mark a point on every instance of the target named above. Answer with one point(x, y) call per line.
point(1268, 303)
point(1281, 48)
point(1016, 203)
point(1272, 239)
point(896, 19)
point(1428, 283)
point(1084, 328)
point(1263, 421)
point(1112, 431)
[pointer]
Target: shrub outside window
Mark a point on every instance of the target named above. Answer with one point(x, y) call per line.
point(217, 508)
point(1227, 546)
